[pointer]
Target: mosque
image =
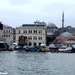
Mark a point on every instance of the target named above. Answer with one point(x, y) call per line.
point(65, 37)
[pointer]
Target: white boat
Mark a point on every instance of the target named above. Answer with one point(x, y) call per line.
point(65, 49)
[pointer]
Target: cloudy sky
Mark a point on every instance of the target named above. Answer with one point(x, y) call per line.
point(17, 12)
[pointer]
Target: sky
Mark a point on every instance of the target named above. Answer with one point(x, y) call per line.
point(17, 12)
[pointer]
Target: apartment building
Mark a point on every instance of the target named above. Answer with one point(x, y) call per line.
point(8, 34)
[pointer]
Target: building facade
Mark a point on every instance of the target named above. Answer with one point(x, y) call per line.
point(31, 34)
point(8, 34)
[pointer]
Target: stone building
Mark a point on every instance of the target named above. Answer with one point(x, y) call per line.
point(31, 34)
point(8, 34)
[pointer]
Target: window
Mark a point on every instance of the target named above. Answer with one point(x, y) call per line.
point(35, 31)
point(39, 43)
point(9, 35)
point(29, 37)
point(19, 31)
point(40, 31)
point(25, 31)
point(4, 31)
point(40, 38)
point(9, 31)
point(4, 35)
point(34, 37)
point(34, 43)
point(30, 43)
point(30, 31)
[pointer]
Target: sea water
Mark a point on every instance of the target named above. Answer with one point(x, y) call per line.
point(36, 63)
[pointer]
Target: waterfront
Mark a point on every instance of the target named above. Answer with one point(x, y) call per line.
point(37, 63)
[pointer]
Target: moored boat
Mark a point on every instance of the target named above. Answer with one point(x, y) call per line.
point(3, 46)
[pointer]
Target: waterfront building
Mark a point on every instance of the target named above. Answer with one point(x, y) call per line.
point(8, 34)
point(31, 34)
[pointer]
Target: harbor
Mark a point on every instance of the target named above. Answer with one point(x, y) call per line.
point(42, 48)
point(37, 37)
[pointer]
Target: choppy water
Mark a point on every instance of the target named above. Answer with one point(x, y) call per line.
point(37, 63)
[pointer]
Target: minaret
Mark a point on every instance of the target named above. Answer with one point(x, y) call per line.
point(63, 20)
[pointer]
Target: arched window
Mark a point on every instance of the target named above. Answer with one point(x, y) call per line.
point(30, 43)
point(39, 43)
point(34, 43)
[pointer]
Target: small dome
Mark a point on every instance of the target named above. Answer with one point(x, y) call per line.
point(66, 34)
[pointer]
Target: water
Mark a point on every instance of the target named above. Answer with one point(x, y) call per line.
point(36, 63)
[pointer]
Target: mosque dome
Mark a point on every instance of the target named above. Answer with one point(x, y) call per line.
point(52, 26)
point(66, 34)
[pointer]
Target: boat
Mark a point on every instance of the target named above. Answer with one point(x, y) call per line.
point(3, 46)
point(18, 47)
point(32, 48)
point(53, 48)
point(62, 49)
point(26, 48)
point(43, 48)
point(65, 49)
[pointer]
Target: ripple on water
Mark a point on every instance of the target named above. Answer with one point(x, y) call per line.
point(37, 63)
